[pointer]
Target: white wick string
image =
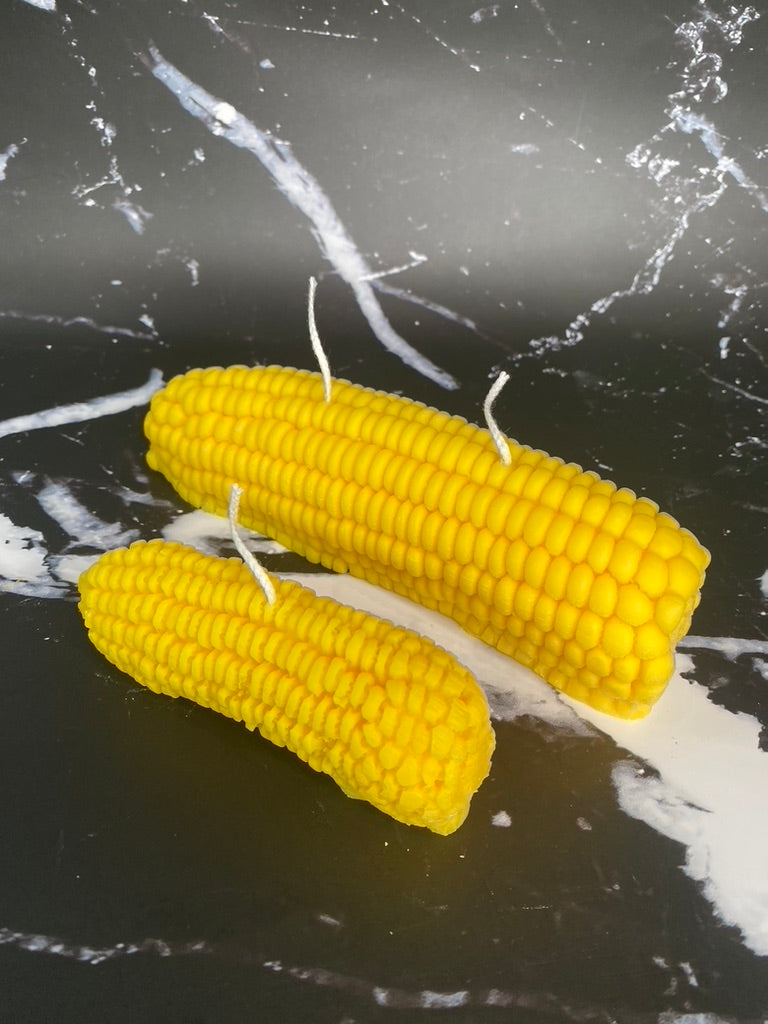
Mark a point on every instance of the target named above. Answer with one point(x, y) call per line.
point(502, 445)
point(317, 345)
point(256, 570)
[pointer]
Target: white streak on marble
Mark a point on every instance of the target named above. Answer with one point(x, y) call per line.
point(673, 1017)
point(704, 755)
point(539, 8)
point(77, 321)
point(22, 553)
point(428, 304)
point(300, 30)
point(739, 293)
point(417, 259)
point(380, 995)
point(69, 568)
point(436, 38)
point(732, 647)
point(136, 215)
point(193, 266)
point(198, 528)
point(57, 501)
point(79, 412)
point(501, 819)
point(106, 130)
point(644, 281)
point(34, 942)
point(735, 388)
point(482, 13)
point(763, 581)
point(304, 192)
point(43, 5)
point(698, 82)
point(7, 155)
point(697, 124)
point(524, 148)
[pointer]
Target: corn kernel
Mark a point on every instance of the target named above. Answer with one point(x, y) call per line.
point(566, 620)
point(556, 580)
point(536, 565)
point(579, 542)
point(669, 612)
point(574, 501)
point(579, 585)
point(589, 630)
point(633, 607)
point(603, 596)
point(618, 638)
point(650, 642)
point(683, 576)
point(625, 559)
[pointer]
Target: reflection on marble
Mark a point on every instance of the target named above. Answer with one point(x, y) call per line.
point(575, 195)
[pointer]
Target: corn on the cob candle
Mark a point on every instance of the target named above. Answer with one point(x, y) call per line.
point(392, 718)
point(583, 582)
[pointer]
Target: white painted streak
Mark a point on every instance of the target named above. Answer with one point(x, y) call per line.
point(698, 81)
point(710, 794)
point(80, 321)
point(501, 819)
point(34, 942)
point(135, 214)
point(22, 553)
point(43, 5)
point(732, 647)
point(454, 51)
point(304, 192)
point(198, 528)
point(58, 502)
point(697, 124)
point(418, 300)
point(6, 156)
point(485, 12)
point(78, 412)
point(193, 266)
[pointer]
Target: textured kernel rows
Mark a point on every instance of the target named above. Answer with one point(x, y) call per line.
point(392, 718)
point(584, 583)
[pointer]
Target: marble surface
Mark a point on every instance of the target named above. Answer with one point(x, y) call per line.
point(576, 194)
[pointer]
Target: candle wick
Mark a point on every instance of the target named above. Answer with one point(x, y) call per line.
point(317, 345)
point(253, 566)
point(502, 445)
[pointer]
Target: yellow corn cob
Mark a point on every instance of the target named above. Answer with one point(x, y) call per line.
point(392, 718)
point(584, 583)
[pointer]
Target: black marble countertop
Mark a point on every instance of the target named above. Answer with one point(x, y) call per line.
point(573, 193)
